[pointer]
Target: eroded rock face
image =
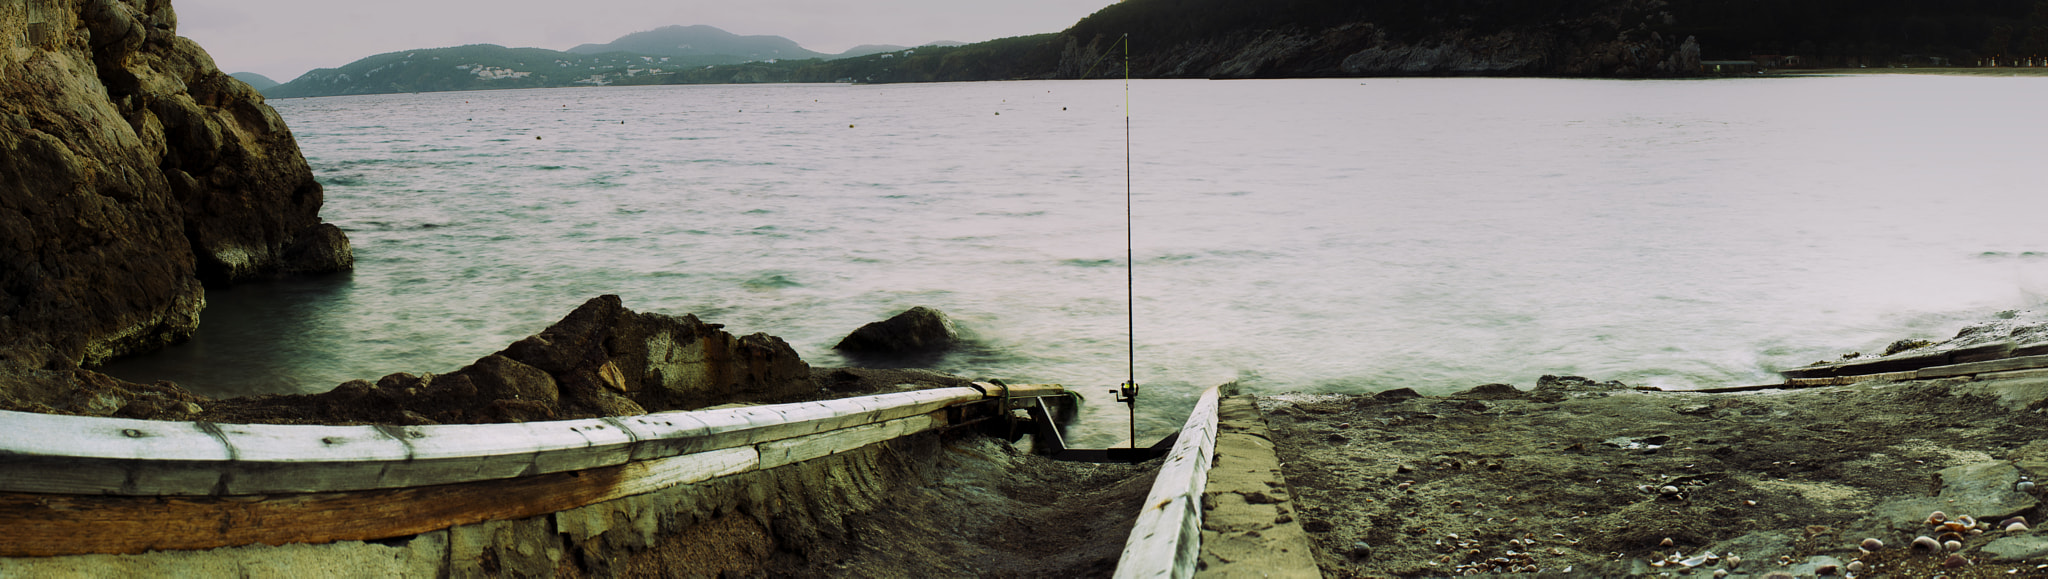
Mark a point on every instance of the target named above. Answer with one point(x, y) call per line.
point(131, 169)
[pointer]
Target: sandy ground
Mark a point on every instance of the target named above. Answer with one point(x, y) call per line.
point(1585, 478)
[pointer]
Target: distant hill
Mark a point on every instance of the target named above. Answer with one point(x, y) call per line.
point(481, 67)
point(255, 81)
point(1583, 38)
point(1272, 39)
point(867, 49)
point(700, 41)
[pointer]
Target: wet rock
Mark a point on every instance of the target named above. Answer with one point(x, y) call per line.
point(1396, 395)
point(502, 378)
point(1554, 388)
point(131, 168)
point(665, 362)
point(2017, 548)
point(1906, 345)
point(1982, 490)
point(1491, 392)
point(919, 331)
point(1814, 565)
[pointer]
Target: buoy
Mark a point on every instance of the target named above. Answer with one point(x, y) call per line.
point(536, 137)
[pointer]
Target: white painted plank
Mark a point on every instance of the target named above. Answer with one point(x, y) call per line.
point(294, 459)
point(71, 454)
point(660, 433)
point(1166, 540)
point(33, 434)
point(793, 450)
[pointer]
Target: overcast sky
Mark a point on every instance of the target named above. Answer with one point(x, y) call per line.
point(282, 39)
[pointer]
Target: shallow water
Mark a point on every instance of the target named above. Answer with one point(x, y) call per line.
point(1311, 235)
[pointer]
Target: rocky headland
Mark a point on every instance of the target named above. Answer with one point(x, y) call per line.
point(133, 174)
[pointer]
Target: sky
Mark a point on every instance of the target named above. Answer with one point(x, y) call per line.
point(283, 39)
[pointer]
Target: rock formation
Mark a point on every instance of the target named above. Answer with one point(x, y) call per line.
point(918, 331)
point(600, 360)
point(132, 173)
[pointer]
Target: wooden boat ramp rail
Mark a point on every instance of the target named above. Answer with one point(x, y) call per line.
point(86, 485)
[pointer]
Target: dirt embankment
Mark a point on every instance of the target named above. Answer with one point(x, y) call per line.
point(1600, 479)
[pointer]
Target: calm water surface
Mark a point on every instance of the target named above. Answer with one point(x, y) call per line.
point(1297, 235)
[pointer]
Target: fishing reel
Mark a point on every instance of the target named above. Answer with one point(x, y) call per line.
point(1127, 394)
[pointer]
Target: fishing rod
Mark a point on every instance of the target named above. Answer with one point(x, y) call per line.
point(1128, 393)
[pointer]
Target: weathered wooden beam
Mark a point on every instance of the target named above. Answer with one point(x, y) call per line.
point(1167, 539)
point(1839, 380)
point(1985, 367)
point(88, 455)
point(126, 486)
point(794, 450)
point(42, 525)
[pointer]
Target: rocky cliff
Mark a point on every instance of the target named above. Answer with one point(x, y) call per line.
point(1618, 38)
point(133, 173)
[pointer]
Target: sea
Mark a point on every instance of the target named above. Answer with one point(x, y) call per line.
point(1329, 235)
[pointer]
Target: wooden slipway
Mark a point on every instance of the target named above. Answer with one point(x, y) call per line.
point(84, 485)
point(1219, 507)
point(1968, 361)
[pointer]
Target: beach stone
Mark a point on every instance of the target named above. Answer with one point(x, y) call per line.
point(1813, 564)
point(917, 331)
point(1982, 490)
point(2017, 548)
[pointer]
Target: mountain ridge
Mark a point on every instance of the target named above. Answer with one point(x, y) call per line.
point(1308, 38)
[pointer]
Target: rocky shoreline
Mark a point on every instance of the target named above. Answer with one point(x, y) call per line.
point(1576, 477)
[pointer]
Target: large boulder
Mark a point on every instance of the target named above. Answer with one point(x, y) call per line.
point(600, 360)
point(131, 171)
point(663, 362)
point(917, 332)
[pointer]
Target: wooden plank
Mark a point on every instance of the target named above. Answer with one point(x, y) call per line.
point(1814, 371)
point(276, 459)
point(1016, 391)
point(35, 434)
point(1981, 352)
point(1845, 380)
point(794, 450)
point(2001, 365)
point(42, 525)
point(1166, 540)
point(1894, 364)
point(87, 455)
point(2034, 349)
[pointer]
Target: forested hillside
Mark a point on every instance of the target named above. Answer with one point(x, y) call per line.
point(1292, 38)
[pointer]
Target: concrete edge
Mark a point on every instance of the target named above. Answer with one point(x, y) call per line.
point(1251, 527)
